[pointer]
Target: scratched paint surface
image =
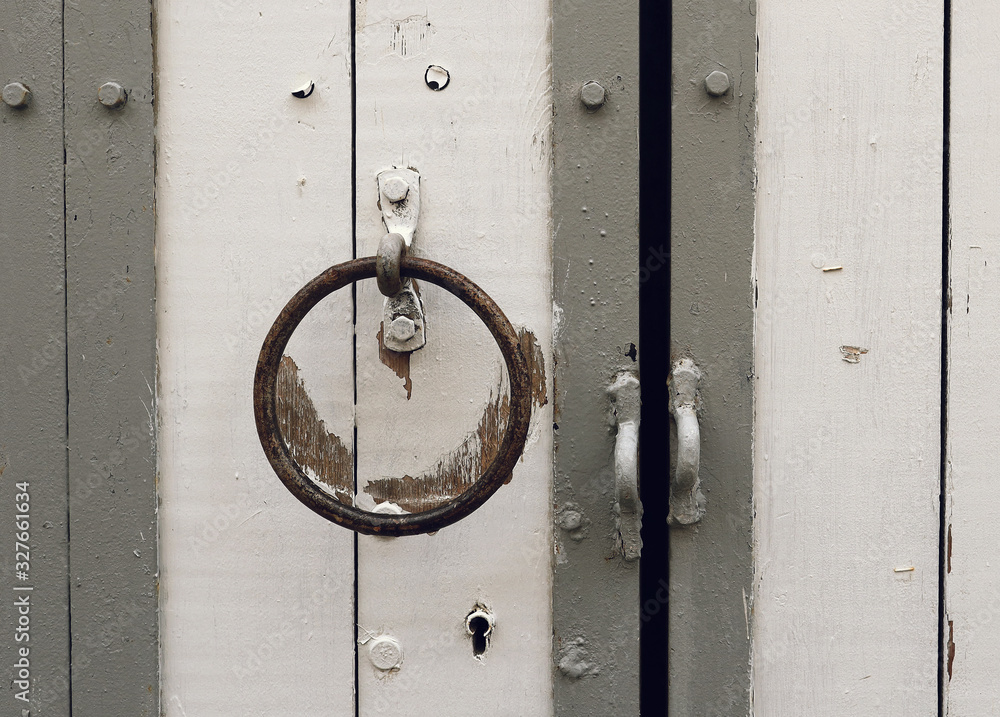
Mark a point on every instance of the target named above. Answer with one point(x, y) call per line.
point(481, 146)
point(972, 597)
point(848, 368)
point(253, 200)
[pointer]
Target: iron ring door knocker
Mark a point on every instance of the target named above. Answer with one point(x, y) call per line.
point(292, 475)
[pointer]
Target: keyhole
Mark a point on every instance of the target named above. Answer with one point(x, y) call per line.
point(479, 624)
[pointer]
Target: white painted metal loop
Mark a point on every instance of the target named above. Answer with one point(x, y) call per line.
point(628, 508)
point(687, 503)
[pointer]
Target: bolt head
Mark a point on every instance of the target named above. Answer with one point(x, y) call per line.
point(402, 329)
point(112, 95)
point(717, 83)
point(16, 95)
point(385, 653)
point(395, 189)
point(592, 95)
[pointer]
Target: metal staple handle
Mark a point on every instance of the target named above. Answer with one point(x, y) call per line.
point(303, 487)
point(687, 504)
point(628, 508)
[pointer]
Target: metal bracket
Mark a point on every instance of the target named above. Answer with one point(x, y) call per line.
point(687, 503)
point(399, 200)
point(628, 508)
point(402, 314)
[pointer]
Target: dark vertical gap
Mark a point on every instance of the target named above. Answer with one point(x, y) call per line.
point(354, 315)
point(654, 310)
point(69, 581)
point(945, 314)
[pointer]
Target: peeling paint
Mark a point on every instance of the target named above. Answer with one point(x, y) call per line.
point(407, 37)
point(951, 646)
point(316, 450)
point(949, 548)
point(453, 473)
point(852, 354)
point(398, 362)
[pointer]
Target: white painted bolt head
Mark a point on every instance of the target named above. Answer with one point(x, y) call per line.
point(111, 95)
point(717, 83)
point(402, 328)
point(592, 95)
point(385, 653)
point(395, 189)
point(16, 95)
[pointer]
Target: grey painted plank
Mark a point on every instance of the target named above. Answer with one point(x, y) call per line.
point(711, 563)
point(596, 290)
point(33, 362)
point(111, 360)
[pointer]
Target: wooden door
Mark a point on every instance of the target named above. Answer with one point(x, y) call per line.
point(266, 607)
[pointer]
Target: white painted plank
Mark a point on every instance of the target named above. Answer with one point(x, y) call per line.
point(972, 598)
point(253, 199)
point(847, 442)
point(481, 146)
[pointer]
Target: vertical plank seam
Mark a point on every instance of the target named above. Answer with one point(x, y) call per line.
point(69, 571)
point(945, 320)
point(354, 323)
point(654, 304)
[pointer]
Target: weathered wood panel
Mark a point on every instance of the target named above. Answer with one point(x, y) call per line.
point(254, 199)
point(848, 345)
point(482, 148)
point(596, 296)
point(711, 321)
point(33, 365)
point(971, 668)
point(111, 360)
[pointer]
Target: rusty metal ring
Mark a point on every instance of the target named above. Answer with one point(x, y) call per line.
point(304, 488)
point(391, 251)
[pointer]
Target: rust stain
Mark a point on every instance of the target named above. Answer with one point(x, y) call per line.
point(454, 472)
point(398, 362)
point(951, 646)
point(949, 548)
point(311, 445)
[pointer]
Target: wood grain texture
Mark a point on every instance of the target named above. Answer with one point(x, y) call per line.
point(972, 596)
point(33, 358)
point(847, 454)
point(481, 146)
point(254, 199)
point(111, 360)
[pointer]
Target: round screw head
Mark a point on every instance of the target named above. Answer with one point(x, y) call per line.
point(112, 95)
point(16, 95)
point(385, 653)
point(395, 189)
point(592, 95)
point(402, 329)
point(717, 83)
